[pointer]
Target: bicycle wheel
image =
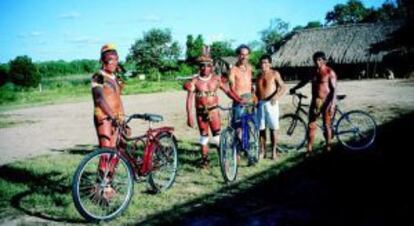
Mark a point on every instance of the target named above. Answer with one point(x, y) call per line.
point(228, 155)
point(356, 130)
point(102, 195)
point(253, 140)
point(164, 163)
point(292, 133)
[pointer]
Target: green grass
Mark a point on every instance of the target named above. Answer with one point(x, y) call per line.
point(71, 89)
point(42, 186)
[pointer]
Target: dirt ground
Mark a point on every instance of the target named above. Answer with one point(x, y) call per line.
point(55, 128)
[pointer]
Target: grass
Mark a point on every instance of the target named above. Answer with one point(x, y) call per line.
point(41, 186)
point(71, 89)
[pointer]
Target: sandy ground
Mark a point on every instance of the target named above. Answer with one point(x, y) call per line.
point(54, 128)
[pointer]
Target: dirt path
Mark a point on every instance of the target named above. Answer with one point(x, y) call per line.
point(47, 129)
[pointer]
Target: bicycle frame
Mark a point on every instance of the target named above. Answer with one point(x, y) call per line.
point(300, 110)
point(149, 140)
point(242, 124)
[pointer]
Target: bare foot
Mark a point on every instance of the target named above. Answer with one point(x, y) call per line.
point(275, 156)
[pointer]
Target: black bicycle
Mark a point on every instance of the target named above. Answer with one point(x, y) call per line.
point(355, 130)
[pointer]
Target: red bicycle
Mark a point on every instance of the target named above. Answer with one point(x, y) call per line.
point(103, 183)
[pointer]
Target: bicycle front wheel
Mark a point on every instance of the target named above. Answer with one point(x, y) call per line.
point(102, 186)
point(164, 163)
point(253, 141)
point(292, 133)
point(356, 130)
point(228, 154)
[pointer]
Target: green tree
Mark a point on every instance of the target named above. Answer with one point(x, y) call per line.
point(311, 24)
point(221, 49)
point(4, 74)
point(156, 51)
point(351, 12)
point(194, 48)
point(273, 35)
point(23, 72)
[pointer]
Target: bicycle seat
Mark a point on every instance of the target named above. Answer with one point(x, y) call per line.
point(340, 97)
point(153, 117)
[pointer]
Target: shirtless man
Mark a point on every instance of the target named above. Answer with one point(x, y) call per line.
point(106, 92)
point(203, 90)
point(323, 99)
point(270, 88)
point(240, 79)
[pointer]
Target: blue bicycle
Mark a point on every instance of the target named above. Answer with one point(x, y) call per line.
point(239, 136)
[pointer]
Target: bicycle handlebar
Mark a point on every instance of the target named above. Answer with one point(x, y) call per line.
point(146, 117)
point(300, 95)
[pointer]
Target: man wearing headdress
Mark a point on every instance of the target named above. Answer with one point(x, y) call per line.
point(108, 110)
point(202, 90)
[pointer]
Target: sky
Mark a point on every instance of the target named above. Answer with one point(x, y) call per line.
point(76, 29)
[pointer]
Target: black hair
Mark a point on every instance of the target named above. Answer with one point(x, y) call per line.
point(266, 57)
point(242, 46)
point(319, 54)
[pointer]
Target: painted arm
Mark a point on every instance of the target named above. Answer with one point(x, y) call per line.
point(301, 84)
point(189, 86)
point(332, 93)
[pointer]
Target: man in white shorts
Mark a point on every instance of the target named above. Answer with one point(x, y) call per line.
point(270, 87)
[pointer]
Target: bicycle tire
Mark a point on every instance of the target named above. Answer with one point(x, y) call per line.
point(253, 141)
point(356, 130)
point(292, 133)
point(228, 155)
point(164, 163)
point(88, 187)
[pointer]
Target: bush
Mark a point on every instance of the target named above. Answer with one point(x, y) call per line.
point(23, 72)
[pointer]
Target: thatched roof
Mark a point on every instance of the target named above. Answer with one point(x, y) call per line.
point(346, 44)
point(229, 60)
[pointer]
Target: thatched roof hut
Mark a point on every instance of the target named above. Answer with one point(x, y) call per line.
point(223, 64)
point(345, 44)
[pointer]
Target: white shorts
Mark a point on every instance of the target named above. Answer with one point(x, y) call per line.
point(268, 115)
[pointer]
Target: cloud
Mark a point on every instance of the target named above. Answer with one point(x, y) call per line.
point(216, 37)
point(85, 40)
point(150, 19)
point(69, 15)
point(31, 34)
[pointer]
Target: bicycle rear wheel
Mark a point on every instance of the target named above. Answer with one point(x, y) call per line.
point(164, 163)
point(102, 188)
point(292, 133)
point(356, 130)
point(228, 154)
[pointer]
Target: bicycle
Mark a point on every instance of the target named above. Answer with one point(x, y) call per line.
point(355, 130)
point(104, 194)
point(242, 135)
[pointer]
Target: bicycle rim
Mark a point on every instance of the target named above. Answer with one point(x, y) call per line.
point(356, 130)
point(164, 163)
point(228, 155)
point(98, 195)
point(292, 133)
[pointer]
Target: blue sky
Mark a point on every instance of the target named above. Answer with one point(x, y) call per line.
point(76, 29)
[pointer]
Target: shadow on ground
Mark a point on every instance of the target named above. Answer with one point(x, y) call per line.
point(52, 184)
point(338, 188)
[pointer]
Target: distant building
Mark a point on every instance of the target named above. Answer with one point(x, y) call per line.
point(353, 50)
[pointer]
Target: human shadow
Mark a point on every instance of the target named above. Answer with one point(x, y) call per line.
point(337, 188)
point(50, 184)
